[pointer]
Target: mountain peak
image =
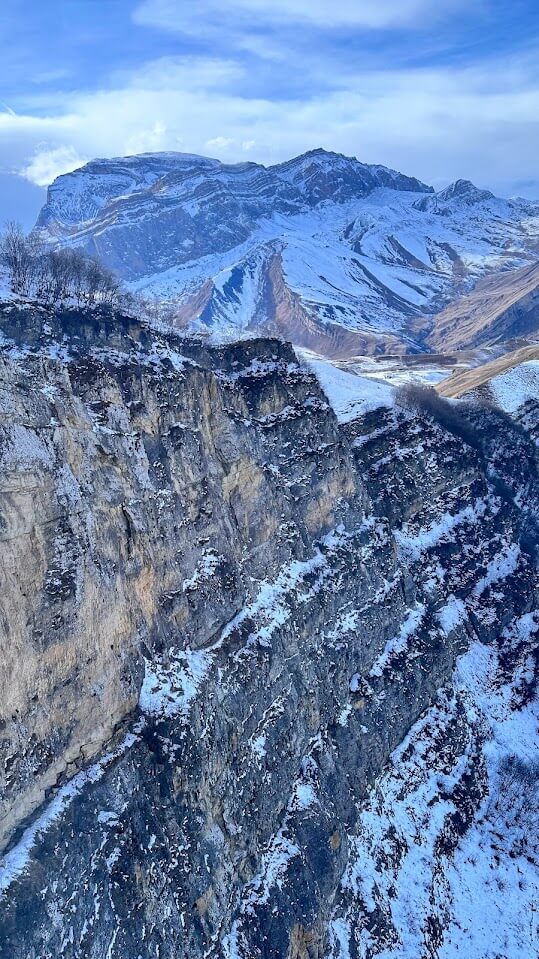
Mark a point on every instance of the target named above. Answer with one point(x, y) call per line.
point(323, 154)
point(338, 254)
point(87, 194)
point(340, 169)
point(465, 190)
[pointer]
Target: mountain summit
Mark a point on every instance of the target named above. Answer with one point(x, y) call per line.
point(337, 255)
point(89, 193)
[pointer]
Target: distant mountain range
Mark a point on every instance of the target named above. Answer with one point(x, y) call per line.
point(336, 255)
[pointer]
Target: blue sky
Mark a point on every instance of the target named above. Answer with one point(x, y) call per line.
point(440, 90)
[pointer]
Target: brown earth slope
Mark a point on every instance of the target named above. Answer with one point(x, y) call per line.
point(461, 383)
point(500, 307)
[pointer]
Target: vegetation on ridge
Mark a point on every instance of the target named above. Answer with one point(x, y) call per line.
point(55, 275)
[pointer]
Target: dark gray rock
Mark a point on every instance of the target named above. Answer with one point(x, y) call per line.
point(287, 597)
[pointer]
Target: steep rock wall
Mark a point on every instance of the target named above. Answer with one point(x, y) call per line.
point(126, 471)
point(285, 597)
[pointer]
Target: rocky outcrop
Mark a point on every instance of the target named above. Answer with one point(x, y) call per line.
point(241, 608)
point(460, 193)
point(444, 855)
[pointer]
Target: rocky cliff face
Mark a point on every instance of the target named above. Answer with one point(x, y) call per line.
point(221, 612)
point(360, 253)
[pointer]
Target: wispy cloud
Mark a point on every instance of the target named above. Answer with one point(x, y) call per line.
point(369, 14)
point(6, 109)
point(267, 81)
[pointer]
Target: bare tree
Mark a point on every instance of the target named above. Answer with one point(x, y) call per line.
point(78, 275)
point(94, 279)
point(55, 276)
point(16, 255)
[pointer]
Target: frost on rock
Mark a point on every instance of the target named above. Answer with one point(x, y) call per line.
point(399, 643)
point(502, 566)
point(298, 581)
point(169, 689)
point(452, 614)
point(206, 568)
point(413, 545)
point(446, 855)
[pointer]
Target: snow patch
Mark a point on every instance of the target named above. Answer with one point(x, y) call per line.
point(350, 395)
point(168, 690)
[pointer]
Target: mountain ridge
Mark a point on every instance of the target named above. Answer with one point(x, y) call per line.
point(368, 253)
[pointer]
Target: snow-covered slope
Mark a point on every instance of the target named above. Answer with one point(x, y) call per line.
point(445, 859)
point(336, 255)
point(516, 387)
point(516, 391)
point(349, 395)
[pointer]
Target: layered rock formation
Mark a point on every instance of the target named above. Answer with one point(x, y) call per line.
point(221, 612)
point(178, 197)
point(333, 254)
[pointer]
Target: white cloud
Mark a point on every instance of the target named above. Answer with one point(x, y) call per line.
point(228, 146)
point(369, 14)
point(48, 163)
point(219, 143)
point(436, 124)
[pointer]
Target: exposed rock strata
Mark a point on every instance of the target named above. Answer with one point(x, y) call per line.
point(368, 255)
point(286, 596)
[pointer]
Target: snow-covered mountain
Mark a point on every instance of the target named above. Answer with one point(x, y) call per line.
point(334, 254)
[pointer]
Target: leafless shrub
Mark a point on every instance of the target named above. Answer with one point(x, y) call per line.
point(450, 416)
point(17, 256)
point(55, 276)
